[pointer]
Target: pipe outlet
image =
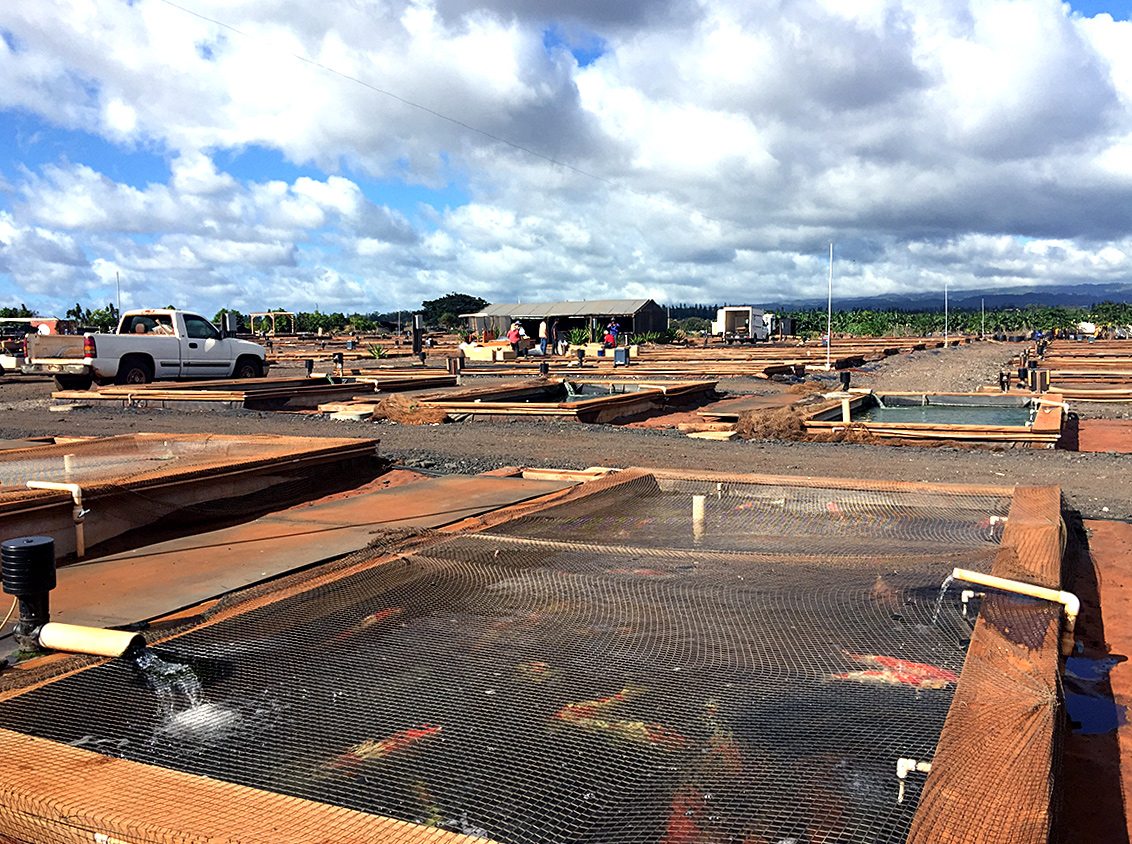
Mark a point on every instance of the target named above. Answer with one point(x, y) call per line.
point(96, 641)
point(1070, 602)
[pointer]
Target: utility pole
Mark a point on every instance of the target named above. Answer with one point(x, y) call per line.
point(829, 313)
point(945, 345)
point(118, 282)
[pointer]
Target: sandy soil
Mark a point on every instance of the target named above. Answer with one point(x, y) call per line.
point(1093, 484)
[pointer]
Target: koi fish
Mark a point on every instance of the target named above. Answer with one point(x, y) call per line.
point(722, 749)
point(536, 671)
point(371, 620)
point(895, 672)
point(688, 806)
point(639, 732)
point(592, 708)
point(591, 714)
point(883, 593)
point(350, 761)
point(432, 816)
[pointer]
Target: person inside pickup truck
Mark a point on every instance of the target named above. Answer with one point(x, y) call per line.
point(140, 328)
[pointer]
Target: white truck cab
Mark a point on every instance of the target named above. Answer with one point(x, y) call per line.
point(149, 344)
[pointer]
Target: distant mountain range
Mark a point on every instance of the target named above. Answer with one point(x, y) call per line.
point(1075, 295)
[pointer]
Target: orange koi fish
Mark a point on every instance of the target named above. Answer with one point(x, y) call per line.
point(593, 708)
point(895, 672)
point(351, 761)
point(371, 620)
point(688, 807)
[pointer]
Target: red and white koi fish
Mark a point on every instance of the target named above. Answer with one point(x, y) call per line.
point(899, 672)
point(351, 761)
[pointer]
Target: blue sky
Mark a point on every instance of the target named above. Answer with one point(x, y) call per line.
point(367, 158)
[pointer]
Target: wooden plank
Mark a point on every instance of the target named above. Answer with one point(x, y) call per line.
point(992, 774)
point(829, 483)
point(52, 793)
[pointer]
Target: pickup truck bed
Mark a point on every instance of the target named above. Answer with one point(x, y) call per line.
point(149, 345)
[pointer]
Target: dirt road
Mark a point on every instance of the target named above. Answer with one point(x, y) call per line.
point(1096, 485)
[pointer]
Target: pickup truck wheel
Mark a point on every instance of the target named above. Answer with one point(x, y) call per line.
point(73, 382)
point(134, 371)
point(249, 368)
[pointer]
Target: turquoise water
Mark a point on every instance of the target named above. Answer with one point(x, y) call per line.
point(936, 414)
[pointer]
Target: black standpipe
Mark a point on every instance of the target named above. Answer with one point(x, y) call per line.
point(27, 566)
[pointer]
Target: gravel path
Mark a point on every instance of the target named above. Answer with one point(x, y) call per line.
point(1096, 485)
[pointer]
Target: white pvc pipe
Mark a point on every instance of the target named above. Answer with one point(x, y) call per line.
point(699, 503)
point(78, 513)
point(96, 641)
point(907, 766)
point(1068, 600)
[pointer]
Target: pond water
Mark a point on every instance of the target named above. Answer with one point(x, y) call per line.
point(940, 414)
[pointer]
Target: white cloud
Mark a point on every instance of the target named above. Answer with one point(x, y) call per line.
point(726, 142)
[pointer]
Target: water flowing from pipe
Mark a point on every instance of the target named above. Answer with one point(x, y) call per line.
point(947, 581)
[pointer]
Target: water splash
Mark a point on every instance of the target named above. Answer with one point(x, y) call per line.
point(171, 681)
point(947, 581)
point(180, 699)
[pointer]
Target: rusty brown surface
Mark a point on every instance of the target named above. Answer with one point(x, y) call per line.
point(158, 579)
point(51, 793)
point(992, 777)
point(734, 408)
point(1105, 435)
point(1097, 766)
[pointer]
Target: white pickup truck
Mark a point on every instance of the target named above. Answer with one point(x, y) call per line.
point(148, 345)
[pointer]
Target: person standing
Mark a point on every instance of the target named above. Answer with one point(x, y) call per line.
point(554, 336)
point(542, 337)
point(513, 338)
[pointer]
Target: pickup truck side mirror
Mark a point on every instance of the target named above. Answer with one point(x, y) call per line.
point(229, 325)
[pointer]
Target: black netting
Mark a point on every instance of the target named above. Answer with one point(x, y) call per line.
point(614, 669)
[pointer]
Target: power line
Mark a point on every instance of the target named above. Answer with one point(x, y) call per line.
point(440, 115)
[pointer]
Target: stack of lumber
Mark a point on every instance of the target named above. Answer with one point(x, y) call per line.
point(1099, 371)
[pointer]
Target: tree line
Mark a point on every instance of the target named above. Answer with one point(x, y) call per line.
point(444, 312)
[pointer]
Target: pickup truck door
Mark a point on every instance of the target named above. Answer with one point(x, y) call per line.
point(204, 354)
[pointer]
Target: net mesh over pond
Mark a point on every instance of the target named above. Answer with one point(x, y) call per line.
point(616, 668)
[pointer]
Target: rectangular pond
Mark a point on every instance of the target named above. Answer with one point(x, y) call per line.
point(591, 400)
point(648, 659)
point(1023, 418)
